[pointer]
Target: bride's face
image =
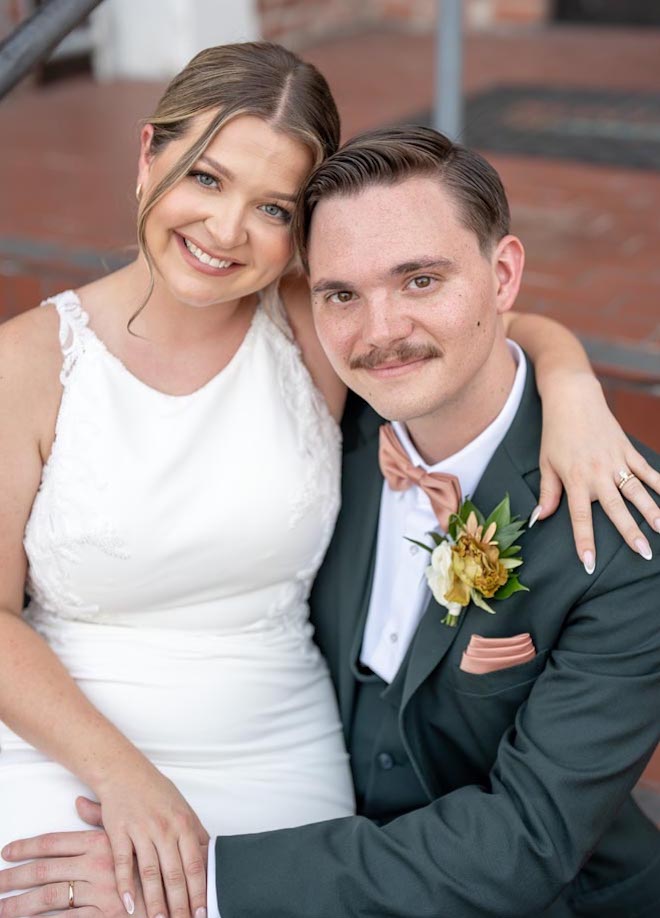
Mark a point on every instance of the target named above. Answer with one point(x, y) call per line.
point(222, 232)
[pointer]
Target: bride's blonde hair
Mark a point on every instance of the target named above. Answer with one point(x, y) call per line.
point(251, 78)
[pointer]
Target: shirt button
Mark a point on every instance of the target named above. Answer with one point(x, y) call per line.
point(413, 549)
point(394, 637)
point(385, 761)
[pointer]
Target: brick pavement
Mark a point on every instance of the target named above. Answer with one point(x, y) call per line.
point(67, 173)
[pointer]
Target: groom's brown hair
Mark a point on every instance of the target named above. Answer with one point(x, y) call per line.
point(391, 155)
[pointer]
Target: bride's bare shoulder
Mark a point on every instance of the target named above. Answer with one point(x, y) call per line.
point(30, 361)
point(32, 333)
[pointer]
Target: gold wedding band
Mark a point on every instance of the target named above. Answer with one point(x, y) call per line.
point(72, 903)
point(624, 477)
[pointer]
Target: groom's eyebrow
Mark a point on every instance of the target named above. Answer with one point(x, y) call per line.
point(422, 264)
point(331, 286)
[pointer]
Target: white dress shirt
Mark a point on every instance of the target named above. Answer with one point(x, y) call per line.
point(400, 593)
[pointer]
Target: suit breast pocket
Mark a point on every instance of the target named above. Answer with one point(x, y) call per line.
point(513, 680)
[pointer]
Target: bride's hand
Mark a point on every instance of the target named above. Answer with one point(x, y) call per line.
point(584, 447)
point(145, 815)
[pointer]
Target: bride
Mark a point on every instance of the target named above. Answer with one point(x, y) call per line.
point(168, 486)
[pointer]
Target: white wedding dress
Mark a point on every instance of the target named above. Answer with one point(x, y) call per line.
point(171, 549)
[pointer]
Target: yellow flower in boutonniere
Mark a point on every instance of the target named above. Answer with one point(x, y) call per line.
point(476, 561)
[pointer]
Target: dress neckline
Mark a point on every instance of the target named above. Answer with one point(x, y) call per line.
point(72, 295)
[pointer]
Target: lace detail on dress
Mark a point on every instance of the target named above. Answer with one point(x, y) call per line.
point(75, 475)
point(320, 442)
point(319, 438)
point(73, 478)
point(73, 325)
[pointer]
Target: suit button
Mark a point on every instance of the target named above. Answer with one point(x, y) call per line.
point(385, 761)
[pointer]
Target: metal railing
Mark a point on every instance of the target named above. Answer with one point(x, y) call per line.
point(35, 38)
point(448, 109)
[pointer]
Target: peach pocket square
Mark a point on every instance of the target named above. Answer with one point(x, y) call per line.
point(487, 655)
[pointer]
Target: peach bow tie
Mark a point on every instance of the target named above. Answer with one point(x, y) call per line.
point(443, 491)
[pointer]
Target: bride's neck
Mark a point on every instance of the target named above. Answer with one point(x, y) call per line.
point(165, 319)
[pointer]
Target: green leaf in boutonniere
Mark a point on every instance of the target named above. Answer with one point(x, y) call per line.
point(513, 585)
point(477, 561)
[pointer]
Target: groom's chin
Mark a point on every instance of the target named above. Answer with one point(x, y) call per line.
point(401, 406)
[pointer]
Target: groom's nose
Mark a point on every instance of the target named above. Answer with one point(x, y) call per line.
point(384, 321)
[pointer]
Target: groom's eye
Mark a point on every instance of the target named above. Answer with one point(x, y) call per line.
point(421, 282)
point(341, 296)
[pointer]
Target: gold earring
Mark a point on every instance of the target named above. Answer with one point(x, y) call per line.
point(138, 191)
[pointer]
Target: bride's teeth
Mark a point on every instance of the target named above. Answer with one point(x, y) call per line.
point(204, 257)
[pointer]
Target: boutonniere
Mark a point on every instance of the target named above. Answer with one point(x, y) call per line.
point(476, 560)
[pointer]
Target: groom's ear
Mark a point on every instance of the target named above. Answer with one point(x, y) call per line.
point(508, 261)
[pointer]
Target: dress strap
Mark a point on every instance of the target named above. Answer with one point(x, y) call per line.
point(73, 329)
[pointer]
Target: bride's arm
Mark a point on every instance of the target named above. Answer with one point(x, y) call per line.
point(142, 810)
point(583, 446)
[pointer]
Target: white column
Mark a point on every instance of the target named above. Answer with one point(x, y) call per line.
point(154, 39)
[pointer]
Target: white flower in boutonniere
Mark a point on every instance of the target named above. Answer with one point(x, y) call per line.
point(476, 560)
point(441, 578)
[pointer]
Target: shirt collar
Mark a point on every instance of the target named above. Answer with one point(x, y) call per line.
point(469, 463)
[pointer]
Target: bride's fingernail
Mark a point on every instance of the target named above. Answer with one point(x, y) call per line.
point(589, 562)
point(6, 851)
point(129, 905)
point(644, 549)
point(656, 523)
point(536, 512)
point(200, 913)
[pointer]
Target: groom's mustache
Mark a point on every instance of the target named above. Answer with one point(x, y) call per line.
point(404, 353)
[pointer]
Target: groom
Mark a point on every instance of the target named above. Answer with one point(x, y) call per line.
point(493, 760)
point(493, 754)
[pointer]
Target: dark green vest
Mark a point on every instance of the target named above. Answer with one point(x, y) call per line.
point(386, 785)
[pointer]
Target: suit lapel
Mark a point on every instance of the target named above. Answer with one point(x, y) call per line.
point(515, 456)
point(430, 644)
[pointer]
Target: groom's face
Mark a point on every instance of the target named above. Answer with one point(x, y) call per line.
point(405, 302)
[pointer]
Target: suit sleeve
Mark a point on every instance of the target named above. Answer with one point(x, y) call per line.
point(578, 746)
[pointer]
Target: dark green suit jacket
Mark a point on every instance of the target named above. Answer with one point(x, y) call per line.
point(528, 770)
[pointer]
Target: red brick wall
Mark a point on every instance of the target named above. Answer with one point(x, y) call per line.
point(296, 22)
point(409, 13)
point(514, 12)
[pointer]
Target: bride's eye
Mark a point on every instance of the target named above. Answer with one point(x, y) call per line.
point(274, 210)
point(204, 179)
